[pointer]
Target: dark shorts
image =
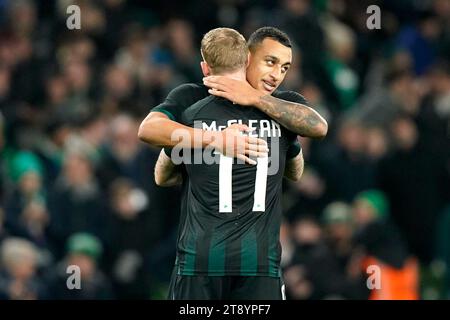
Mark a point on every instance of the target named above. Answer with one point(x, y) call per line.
point(225, 288)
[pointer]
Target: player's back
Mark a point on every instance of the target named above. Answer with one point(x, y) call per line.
point(233, 210)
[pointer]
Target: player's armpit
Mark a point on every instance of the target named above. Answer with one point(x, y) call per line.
point(294, 167)
point(167, 174)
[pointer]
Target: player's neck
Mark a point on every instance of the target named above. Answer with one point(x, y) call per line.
point(238, 75)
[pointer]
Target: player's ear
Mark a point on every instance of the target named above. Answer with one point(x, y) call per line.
point(205, 69)
point(248, 59)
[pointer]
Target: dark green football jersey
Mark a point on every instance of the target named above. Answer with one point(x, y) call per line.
point(231, 212)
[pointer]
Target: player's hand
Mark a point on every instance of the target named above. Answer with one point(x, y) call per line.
point(231, 142)
point(237, 91)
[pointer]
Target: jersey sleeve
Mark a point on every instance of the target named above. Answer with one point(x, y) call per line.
point(291, 96)
point(179, 99)
point(293, 149)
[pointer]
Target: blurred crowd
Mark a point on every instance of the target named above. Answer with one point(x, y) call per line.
point(76, 185)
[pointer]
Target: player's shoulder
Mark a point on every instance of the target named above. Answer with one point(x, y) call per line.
point(291, 96)
point(195, 108)
point(191, 86)
point(186, 90)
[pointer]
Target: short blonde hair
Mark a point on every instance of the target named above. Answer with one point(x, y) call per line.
point(224, 50)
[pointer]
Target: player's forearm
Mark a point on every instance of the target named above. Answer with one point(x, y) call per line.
point(163, 132)
point(166, 173)
point(296, 117)
point(174, 180)
point(294, 167)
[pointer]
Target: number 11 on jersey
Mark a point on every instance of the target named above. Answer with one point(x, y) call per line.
point(226, 181)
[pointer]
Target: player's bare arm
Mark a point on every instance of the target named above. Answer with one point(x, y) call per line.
point(294, 167)
point(296, 117)
point(167, 174)
point(158, 130)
